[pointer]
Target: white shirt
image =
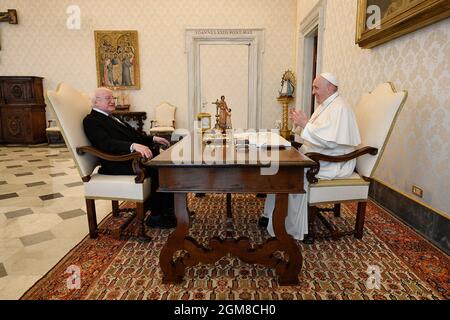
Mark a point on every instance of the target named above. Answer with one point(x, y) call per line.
point(101, 111)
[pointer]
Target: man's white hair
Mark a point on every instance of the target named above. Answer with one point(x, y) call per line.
point(98, 92)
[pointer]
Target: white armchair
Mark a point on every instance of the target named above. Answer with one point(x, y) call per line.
point(376, 115)
point(70, 107)
point(164, 121)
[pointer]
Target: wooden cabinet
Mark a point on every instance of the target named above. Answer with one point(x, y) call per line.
point(22, 110)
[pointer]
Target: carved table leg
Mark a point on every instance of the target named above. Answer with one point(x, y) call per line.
point(287, 272)
point(174, 270)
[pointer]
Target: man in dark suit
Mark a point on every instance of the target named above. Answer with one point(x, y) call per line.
point(109, 134)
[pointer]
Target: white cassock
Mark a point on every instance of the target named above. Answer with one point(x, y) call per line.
point(332, 130)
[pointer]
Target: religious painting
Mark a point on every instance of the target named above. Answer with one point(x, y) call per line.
point(117, 56)
point(379, 21)
point(9, 16)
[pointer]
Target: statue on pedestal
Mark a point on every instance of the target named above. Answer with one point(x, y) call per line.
point(286, 96)
point(223, 114)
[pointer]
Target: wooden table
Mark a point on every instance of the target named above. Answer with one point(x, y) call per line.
point(196, 175)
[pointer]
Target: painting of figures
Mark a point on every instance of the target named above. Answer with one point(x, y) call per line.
point(117, 55)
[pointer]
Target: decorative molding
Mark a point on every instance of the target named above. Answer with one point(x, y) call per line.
point(315, 19)
point(254, 38)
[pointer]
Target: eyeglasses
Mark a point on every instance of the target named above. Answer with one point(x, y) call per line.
point(107, 98)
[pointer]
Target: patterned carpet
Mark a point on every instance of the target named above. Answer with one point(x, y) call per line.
point(409, 267)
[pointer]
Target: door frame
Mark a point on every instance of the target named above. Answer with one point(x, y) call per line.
point(254, 38)
point(313, 23)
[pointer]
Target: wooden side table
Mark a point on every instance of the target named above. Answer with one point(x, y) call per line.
point(128, 116)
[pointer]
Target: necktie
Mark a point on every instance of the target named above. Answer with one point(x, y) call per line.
point(117, 120)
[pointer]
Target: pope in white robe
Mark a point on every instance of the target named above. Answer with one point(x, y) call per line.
point(331, 130)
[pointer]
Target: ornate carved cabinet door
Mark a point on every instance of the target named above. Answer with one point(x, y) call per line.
point(22, 110)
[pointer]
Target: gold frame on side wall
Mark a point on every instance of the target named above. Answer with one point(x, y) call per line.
point(398, 17)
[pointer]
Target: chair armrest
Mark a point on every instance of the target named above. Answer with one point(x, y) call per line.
point(311, 173)
point(345, 157)
point(107, 156)
point(135, 156)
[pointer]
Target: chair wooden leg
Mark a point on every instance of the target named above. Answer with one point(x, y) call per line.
point(311, 236)
point(115, 208)
point(360, 215)
point(337, 210)
point(92, 218)
point(140, 215)
point(229, 212)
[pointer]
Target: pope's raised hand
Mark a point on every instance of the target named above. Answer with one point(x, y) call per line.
point(299, 118)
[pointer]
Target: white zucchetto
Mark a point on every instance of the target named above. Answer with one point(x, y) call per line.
point(331, 78)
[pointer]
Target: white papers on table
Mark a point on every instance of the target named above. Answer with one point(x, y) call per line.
point(261, 139)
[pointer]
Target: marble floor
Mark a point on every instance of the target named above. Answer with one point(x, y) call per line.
point(42, 214)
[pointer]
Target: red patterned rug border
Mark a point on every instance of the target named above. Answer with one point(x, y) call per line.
point(61, 264)
point(428, 277)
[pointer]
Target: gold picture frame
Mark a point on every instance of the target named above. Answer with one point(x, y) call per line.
point(205, 121)
point(117, 59)
point(398, 17)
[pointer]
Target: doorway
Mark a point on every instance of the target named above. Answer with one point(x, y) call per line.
point(224, 72)
point(253, 39)
point(310, 55)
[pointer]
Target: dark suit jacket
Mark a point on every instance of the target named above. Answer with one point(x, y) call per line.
point(109, 136)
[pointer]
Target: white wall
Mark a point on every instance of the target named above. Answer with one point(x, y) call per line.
point(418, 150)
point(42, 45)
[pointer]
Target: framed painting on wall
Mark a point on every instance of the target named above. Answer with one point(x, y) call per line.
point(117, 59)
point(379, 21)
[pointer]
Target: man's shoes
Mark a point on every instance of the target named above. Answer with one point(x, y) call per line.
point(263, 222)
point(161, 221)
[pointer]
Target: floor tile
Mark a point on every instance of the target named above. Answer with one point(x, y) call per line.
point(37, 238)
point(13, 287)
point(35, 184)
point(45, 167)
point(18, 213)
point(28, 225)
point(8, 196)
point(3, 272)
point(71, 214)
point(23, 174)
point(74, 184)
point(59, 174)
point(51, 196)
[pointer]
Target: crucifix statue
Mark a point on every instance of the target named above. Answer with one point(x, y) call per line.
point(9, 16)
point(223, 115)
